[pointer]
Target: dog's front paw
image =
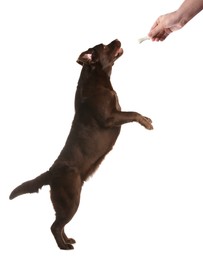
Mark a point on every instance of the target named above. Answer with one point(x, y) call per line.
point(146, 122)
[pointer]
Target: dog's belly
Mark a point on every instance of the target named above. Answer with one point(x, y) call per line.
point(96, 150)
point(102, 142)
point(84, 150)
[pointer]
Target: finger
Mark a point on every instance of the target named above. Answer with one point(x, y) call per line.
point(166, 34)
point(154, 25)
point(156, 32)
point(151, 32)
point(163, 37)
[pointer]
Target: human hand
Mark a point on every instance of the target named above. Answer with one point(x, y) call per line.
point(165, 25)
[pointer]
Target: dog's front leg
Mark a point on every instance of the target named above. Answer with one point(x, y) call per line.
point(118, 118)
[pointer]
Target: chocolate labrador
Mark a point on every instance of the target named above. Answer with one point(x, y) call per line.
point(95, 128)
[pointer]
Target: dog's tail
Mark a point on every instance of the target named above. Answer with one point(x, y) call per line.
point(32, 185)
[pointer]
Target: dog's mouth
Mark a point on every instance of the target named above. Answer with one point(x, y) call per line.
point(118, 53)
point(115, 48)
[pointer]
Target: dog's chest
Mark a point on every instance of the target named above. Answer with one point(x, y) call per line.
point(118, 107)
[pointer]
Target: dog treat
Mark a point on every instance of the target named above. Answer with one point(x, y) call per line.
point(140, 40)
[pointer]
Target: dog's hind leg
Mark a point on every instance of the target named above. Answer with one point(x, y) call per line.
point(65, 196)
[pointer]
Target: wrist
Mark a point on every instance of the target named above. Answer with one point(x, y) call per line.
point(182, 18)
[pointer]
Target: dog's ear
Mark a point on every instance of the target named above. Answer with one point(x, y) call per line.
point(86, 57)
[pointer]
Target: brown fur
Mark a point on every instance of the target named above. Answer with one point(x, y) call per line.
point(95, 128)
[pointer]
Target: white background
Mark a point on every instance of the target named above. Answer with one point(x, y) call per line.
point(146, 200)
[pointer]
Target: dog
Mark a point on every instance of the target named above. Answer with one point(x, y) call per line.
point(95, 128)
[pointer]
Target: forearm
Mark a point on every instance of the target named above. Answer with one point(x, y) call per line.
point(188, 10)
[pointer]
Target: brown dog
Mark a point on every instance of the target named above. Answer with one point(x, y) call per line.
point(95, 128)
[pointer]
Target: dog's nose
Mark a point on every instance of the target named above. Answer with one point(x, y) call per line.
point(116, 42)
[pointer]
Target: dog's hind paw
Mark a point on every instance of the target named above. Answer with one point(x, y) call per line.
point(66, 247)
point(70, 241)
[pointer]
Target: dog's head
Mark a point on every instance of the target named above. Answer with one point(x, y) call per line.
point(102, 55)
